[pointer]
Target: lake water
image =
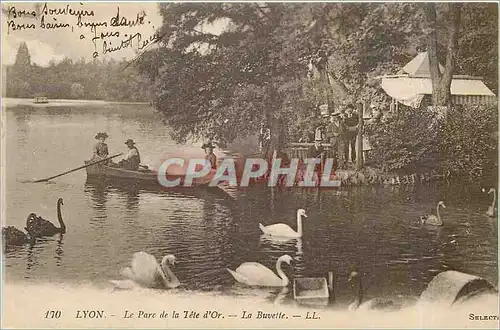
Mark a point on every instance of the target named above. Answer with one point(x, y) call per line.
point(371, 229)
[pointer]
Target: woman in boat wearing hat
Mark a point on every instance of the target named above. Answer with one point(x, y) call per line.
point(100, 148)
point(209, 149)
point(133, 158)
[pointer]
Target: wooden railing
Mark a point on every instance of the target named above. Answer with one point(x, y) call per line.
point(299, 149)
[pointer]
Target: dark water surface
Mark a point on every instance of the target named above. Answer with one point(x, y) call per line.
point(372, 229)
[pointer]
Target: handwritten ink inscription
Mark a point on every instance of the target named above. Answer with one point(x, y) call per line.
point(107, 35)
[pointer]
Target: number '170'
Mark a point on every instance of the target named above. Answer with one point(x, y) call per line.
point(52, 314)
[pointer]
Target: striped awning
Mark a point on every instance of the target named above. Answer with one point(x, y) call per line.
point(472, 99)
point(410, 90)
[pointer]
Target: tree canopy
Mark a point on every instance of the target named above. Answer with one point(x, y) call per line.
point(224, 82)
point(68, 79)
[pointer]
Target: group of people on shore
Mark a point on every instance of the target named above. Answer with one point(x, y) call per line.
point(100, 152)
point(341, 131)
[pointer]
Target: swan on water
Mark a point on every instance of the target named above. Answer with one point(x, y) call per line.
point(255, 274)
point(14, 237)
point(431, 219)
point(282, 230)
point(146, 272)
point(40, 227)
point(492, 210)
point(357, 287)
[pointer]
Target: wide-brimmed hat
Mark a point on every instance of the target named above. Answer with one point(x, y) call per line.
point(101, 135)
point(208, 145)
point(129, 142)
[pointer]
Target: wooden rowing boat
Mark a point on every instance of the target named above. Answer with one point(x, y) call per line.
point(142, 176)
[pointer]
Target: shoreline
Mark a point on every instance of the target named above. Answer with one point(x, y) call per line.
point(7, 101)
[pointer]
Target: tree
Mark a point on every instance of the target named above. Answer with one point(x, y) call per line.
point(18, 83)
point(225, 84)
point(75, 79)
point(478, 42)
point(441, 82)
point(23, 58)
point(77, 90)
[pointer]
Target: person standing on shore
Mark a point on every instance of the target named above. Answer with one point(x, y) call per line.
point(317, 151)
point(333, 133)
point(351, 122)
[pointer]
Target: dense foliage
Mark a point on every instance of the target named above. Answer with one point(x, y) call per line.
point(226, 84)
point(93, 80)
point(469, 143)
point(254, 68)
point(463, 146)
point(406, 142)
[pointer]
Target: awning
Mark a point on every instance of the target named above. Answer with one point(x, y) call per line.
point(411, 90)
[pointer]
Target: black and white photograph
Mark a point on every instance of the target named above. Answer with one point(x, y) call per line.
point(198, 164)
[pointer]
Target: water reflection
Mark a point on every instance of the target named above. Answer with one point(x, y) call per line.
point(98, 192)
point(30, 260)
point(371, 228)
point(130, 192)
point(59, 250)
point(278, 247)
point(23, 126)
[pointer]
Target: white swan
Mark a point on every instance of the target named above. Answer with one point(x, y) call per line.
point(255, 274)
point(282, 230)
point(376, 303)
point(146, 272)
point(492, 210)
point(431, 219)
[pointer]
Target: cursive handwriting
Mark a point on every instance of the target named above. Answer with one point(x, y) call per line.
point(93, 25)
point(125, 43)
point(104, 35)
point(13, 26)
point(108, 35)
point(12, 12)
point(53, 25)
point(151, 40)
point(131, 40)
point(118, 20)
point(66, 10)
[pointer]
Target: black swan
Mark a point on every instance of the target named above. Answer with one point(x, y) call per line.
point(14, 237)
point(40, 227)
point(377, 303)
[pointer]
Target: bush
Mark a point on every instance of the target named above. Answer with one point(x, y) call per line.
point(405, 143)
point(469, 143)
point(464, 146)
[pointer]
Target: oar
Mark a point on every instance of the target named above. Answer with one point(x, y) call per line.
point(78, 168)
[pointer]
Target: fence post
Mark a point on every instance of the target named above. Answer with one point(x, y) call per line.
point(359, 147)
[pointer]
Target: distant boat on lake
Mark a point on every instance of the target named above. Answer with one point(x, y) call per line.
point(41, 99)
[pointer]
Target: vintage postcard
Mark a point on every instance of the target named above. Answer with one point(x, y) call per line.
point(249, 164)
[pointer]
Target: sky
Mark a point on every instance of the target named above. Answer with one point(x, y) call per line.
point(49, 43)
